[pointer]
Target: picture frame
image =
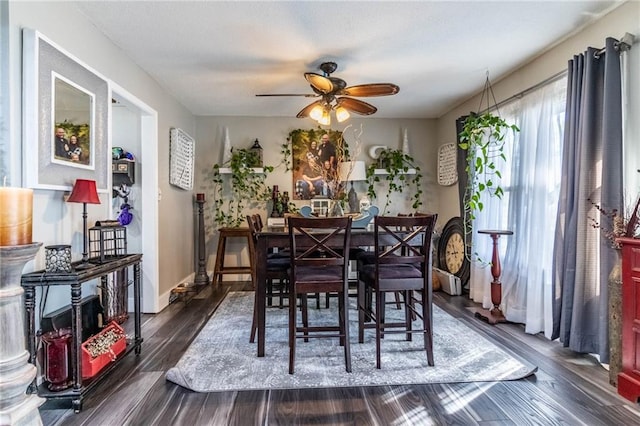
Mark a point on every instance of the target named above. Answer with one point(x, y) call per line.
point(314, 174)
point(320, 207)
point(181, 159)
point(62, 93)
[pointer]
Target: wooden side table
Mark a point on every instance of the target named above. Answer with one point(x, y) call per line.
point(494, 315)
point(220, 269)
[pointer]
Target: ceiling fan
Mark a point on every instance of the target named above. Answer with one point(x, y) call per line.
point(335, 95)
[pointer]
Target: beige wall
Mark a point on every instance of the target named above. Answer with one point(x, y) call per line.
point(625, 18)
point(272, 132)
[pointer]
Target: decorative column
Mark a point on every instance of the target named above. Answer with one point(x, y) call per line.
point(16, 374)
point(201, 277)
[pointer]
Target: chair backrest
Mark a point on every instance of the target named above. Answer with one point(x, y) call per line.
point(320, 242)
point(403, 239)
point(253, 225)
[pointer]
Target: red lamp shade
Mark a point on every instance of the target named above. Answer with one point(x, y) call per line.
point(84, 191)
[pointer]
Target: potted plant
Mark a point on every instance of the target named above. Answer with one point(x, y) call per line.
point(401, 174)
point(483, 137)
point(235, 191)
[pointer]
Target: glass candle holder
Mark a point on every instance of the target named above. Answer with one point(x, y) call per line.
point(57, 359)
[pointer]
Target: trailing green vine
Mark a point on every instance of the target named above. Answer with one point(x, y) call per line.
point(242, 188)
point(483, 137)
point(397, 165)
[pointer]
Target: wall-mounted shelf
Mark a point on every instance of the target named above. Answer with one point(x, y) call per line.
point(384, 172)
point(227, 170)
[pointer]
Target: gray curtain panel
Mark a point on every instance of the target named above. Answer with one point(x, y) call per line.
point(593, 139)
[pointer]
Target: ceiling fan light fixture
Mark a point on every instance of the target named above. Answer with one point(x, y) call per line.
point(316, 112)
point(325, 120)
point(342, 114)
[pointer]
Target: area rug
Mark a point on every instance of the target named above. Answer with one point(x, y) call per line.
point(221, 358)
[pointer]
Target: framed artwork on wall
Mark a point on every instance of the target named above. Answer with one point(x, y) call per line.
point(181, 159)
point(315, 157)
point(66, 118)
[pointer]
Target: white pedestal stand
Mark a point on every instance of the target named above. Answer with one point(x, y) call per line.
point(16, 374)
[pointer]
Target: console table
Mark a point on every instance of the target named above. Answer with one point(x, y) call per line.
point(75, 280)
point(629, 378)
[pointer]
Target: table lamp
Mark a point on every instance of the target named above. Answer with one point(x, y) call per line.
point(84, 191)
point(352, 171)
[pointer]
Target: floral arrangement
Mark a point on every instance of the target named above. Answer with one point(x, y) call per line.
point(617, 225)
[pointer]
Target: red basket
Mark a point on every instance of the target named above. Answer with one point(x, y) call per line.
point(92, 366)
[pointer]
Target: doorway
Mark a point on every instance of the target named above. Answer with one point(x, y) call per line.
point(134, 129)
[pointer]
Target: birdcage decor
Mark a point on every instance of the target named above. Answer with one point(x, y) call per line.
point(107, 243)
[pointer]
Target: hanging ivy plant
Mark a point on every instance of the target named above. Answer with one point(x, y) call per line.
point(242, 188)
point(397, 165)
point(483, 137)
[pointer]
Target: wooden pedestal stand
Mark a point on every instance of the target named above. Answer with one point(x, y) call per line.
point(495, 315)
point(16, 374)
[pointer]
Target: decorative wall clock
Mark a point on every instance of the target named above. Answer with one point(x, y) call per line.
point(451, 250)
point(447, 173)
point(181, 159)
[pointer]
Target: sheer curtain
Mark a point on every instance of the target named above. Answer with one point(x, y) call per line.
point(531, 183)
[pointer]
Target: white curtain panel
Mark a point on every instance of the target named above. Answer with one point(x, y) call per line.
point(531, 183)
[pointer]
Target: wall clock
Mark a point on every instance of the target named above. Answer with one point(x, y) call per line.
point(451, 250)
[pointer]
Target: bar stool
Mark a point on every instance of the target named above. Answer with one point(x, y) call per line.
point(220, 269)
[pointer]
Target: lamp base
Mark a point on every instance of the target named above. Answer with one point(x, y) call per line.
point(354, 205)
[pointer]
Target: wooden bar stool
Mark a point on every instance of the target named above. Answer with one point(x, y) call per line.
point(220, 269)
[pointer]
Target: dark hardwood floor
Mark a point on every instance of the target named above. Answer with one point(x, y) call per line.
point(568, 389)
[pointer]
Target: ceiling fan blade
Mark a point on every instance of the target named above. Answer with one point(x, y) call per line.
point(357, 106)
point(306, 95)
point(304, 113)
point(319, 82)
point(374, 89)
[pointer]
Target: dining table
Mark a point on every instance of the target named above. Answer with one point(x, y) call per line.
point(278, 238)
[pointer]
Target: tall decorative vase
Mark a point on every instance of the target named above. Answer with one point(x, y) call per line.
point(226, 153)
point(614, 285)
point(405, 143)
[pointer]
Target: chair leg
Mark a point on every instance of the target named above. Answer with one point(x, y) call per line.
point(293, 312)
point(254, 326)
point(304, 307)
point(408, 314)
point(428, 330)
point(398, 303)
point(379, 324)
point(344, 317)
point(361, 310)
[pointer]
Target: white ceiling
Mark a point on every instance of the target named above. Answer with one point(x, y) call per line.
point(215, 56)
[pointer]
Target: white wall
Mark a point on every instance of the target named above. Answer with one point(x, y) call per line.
point(56, 222)
point(625, 18)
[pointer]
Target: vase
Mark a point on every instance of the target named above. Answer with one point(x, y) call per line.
point(614, 285)
point(337, 210)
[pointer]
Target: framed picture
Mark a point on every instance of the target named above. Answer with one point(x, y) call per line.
point(316, 154)
point(66, 126)
point(181, 159)
point(320, 207)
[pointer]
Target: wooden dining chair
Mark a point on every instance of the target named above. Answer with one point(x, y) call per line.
point(319, 264)
point(277, 270)
point(402, 264)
